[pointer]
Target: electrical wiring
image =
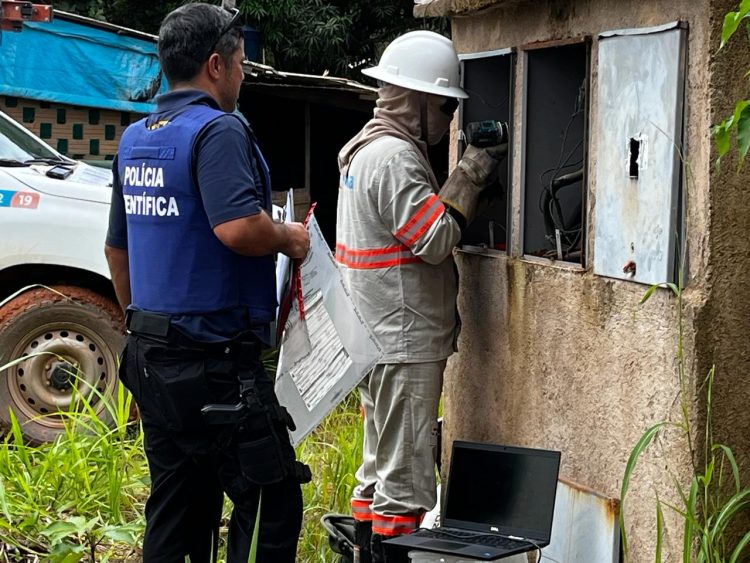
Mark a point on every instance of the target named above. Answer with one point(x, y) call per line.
point(540, 555)
point(565, 165)
point(553, 209)
point(474, 94)
point(560, 161)
point(548, 185)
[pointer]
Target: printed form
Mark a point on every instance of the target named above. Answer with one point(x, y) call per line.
point(326, 355)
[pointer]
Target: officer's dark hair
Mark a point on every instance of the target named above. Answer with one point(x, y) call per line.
point(189, 35)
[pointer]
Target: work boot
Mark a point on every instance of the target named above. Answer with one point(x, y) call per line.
point(378, 553)
point(362, 540)
point(387, 554)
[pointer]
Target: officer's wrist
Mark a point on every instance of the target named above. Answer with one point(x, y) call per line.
point(283, 238)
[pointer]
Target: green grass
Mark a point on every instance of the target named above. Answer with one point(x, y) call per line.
point(716, 500)
point(77, 498)
point(81, 497)
point(333, 452)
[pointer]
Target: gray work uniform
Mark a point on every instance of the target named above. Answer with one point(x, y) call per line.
point(394, 248)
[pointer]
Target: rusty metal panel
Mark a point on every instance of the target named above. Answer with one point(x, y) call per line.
point(638, 169)
point(584, 526)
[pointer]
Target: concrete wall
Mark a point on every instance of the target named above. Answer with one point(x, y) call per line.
point(558, 358)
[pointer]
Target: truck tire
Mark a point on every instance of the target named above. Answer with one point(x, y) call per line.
point(82, 331)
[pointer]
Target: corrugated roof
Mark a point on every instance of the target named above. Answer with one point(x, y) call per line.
point(257, 71)
point(438, 8)
point(91, 22)
point(269, 75)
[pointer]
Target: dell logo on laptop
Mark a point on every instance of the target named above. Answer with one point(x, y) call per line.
point(494, 529)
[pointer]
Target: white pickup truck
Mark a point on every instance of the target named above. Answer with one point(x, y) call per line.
point(57, 304)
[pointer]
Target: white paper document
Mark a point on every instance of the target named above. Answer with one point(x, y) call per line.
point(283, 262)
point(315, 374)
point(310, 382)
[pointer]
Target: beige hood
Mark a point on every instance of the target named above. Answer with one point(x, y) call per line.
point(397, 115)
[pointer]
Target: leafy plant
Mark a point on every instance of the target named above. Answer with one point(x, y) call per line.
point(333, 452)
point(715, 497)
point(78, 496)
point(81, 497)
point(738, 123)
point(308, 36)
point(336, 36)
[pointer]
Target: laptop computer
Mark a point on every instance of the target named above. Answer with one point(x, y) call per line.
point(499, 502)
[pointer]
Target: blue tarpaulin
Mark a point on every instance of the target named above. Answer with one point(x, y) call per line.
point(77, 64)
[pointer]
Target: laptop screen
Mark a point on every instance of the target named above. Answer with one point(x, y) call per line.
point(502, 489)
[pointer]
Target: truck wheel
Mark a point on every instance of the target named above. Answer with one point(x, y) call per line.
point(80, 333)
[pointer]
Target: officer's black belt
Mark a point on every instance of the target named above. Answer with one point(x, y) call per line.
point(147, 323)
point(159, 327)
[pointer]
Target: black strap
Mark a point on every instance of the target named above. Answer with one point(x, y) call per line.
point(147, 323)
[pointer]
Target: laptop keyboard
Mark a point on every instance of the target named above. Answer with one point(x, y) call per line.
point(471, 537)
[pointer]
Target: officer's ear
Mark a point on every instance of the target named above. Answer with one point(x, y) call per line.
point(214, 64)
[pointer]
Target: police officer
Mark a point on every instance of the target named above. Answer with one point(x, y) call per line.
point(190, 249)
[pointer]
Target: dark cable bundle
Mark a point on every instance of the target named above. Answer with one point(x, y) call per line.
point(549, 203)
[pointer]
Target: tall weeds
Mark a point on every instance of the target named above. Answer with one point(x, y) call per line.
point(333, 452)
point(77, 498)
point(81, 497)
point(715, 498)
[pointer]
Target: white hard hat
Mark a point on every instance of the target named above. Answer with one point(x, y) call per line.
point(423, 61)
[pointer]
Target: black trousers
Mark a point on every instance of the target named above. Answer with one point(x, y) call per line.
point(192, 463)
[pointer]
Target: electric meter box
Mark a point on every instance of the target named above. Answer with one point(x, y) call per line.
point(639, 124)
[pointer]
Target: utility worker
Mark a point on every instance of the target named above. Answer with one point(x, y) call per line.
point(191, 251)
point(395, 235)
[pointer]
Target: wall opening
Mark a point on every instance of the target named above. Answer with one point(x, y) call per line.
point(487, 78)
point(634, 154)
point(555, 125)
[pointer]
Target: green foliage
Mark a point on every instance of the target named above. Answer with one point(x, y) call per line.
point(143, 15)
point(716, 497)
point(338, 36)
point(90, 8)
point(81, 497)
point(732, 21)
point(635, 454)
point(69, 500)
point(333, 452)
point(737, 124)
point(307, 36)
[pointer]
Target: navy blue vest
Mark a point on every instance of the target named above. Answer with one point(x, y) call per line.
point(177, 264)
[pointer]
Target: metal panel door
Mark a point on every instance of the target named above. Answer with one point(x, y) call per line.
point(638, 166)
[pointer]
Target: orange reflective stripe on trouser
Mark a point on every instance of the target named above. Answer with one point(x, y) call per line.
point(361, 510)
point(422, 220)
point(394, 525)
point(374, 258)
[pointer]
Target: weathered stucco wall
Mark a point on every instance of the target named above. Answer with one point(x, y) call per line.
point(723, 326)
point(559, 358)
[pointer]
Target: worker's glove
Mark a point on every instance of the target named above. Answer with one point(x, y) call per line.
point(475, 171)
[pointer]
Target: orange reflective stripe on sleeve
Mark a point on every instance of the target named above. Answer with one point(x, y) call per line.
point(422, 220)
point(374, 258)
point(394, 525)
point(361, 510)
